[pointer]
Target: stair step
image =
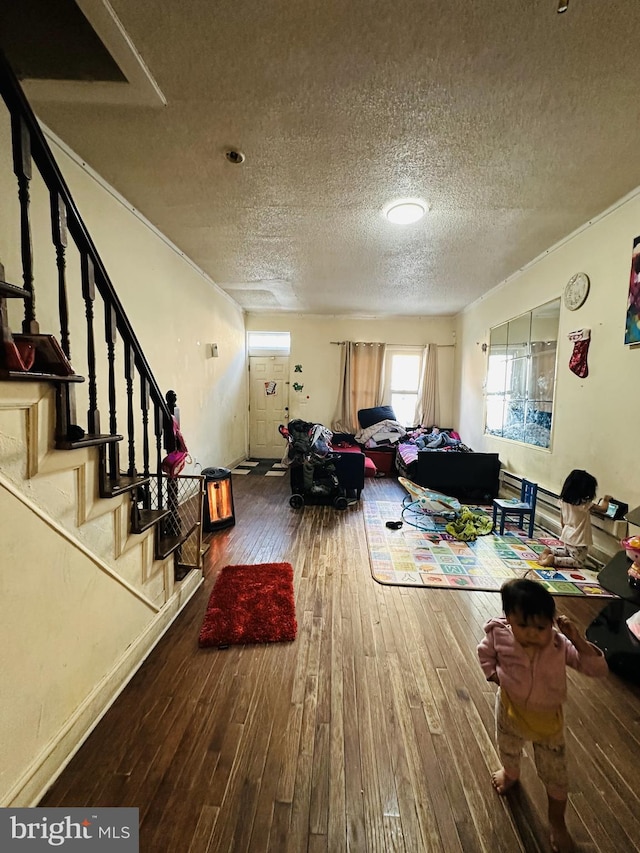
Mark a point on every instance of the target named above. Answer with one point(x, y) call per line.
point(12, 290)
point(168, 544)
point(181, 572)
point(35, 376)
point(86, 441)
point(124, 483)
point(143, 519)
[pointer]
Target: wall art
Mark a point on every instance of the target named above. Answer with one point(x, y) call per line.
point(632, 325)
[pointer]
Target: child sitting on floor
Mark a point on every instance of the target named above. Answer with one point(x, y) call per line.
point(576, 504)
point(526, 656)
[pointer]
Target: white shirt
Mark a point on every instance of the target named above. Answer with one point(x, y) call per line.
point(576, 523)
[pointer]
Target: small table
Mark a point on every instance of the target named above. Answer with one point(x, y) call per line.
point(609, 630)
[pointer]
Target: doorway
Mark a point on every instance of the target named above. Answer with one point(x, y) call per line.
point(268, 405)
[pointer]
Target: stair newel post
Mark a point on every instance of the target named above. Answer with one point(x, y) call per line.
point(59, 236)
point(111, 336)
point(129, 370)
point(21, 143)
point(172, 483)
point(89, 295)
point(172, 398)
point(159, 422)
point(144, 405)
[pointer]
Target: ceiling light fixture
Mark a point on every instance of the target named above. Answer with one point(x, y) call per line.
point(405, 211)
point(563, 5)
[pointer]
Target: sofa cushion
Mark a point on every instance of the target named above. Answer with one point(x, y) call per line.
point(369, 417)
point(370, 469)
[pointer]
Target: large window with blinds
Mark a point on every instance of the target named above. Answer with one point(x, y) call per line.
point(521, 373)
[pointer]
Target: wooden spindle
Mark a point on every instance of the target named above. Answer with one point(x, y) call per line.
point(111, 336)
point(159, 429)
point(144, 405)
point(129, 372)
point(21, 143)
point(59, 236)
point(89, 295)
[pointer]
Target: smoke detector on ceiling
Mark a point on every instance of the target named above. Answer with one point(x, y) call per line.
point(235, 156)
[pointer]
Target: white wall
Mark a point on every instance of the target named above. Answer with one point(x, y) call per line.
point(311, 346)
point(65, 625)
point(595, 419)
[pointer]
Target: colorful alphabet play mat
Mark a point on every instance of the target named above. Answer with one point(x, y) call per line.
point(422, 553)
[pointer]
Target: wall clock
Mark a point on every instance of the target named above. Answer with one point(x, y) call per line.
point(576, 291)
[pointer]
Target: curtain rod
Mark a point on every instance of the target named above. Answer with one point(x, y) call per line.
point(440, 346)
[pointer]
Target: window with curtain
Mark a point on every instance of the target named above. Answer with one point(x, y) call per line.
point(360, 385)
point(521, 375)
point(403, 370)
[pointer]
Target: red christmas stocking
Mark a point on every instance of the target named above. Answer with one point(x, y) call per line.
point(578, 361)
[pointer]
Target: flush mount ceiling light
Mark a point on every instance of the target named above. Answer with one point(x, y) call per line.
point(404, 211)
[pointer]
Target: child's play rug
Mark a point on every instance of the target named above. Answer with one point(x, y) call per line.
point(425, 555)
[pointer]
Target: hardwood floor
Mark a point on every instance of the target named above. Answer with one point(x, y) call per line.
point(373, 731)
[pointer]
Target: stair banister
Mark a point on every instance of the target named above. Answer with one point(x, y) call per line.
point(19, 107)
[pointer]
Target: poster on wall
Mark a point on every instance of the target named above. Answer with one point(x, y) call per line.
point(632, 326)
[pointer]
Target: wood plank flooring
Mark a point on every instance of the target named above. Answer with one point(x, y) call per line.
point(372, 732)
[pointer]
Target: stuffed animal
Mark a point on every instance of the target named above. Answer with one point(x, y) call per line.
point(632, 546)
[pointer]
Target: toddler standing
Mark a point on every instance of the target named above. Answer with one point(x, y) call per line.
point(527, 657)
point(576, 505)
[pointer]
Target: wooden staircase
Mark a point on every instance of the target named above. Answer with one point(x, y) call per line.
point(101, 550)
point(115, 371)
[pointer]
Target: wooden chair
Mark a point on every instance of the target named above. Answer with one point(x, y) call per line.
point(517, 510)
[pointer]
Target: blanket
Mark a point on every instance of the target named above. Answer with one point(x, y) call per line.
point(384, 432)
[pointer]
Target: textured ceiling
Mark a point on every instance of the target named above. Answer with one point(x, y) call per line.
point(516, 124)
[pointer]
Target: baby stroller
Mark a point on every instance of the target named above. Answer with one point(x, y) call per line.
point(311, 463)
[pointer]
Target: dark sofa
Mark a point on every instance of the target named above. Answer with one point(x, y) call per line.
point(470, 477)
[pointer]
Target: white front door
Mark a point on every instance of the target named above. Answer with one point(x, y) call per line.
point(268, 405)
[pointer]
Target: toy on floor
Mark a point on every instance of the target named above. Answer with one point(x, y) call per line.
point(463, 524)
point(468, 525)
point(433, 503)
point(632, 546)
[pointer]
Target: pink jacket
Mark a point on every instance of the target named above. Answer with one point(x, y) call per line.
point(539, 684)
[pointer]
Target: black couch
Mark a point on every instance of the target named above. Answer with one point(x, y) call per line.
point(470, 477)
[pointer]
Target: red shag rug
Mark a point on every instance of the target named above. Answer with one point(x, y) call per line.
point(251, 604)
